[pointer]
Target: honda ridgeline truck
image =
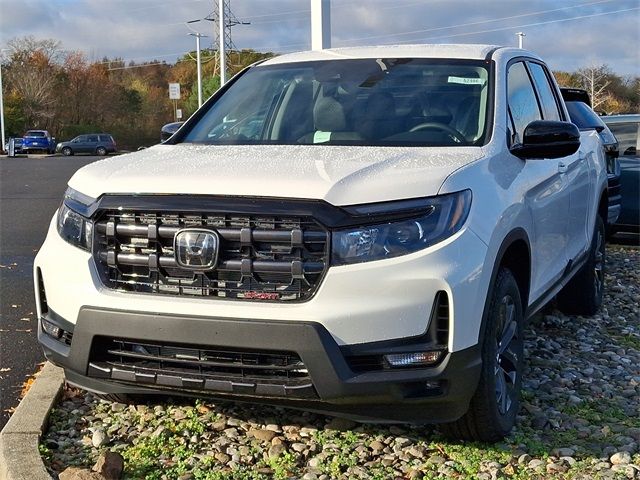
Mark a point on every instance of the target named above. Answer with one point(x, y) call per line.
point(358, 231)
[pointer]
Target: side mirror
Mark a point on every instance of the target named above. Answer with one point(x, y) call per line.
point(548, 139)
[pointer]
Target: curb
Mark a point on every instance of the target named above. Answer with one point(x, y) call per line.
point(19, 455)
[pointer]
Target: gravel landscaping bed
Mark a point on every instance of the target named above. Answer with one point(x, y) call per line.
point(580, 418)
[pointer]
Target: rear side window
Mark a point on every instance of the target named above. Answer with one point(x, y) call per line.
point(105, 138)
point(547, 99)
point(92, 138)
point(523, 104)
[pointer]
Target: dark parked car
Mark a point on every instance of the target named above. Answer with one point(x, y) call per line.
point(168, 130)
point(575, 95)
point(578, 105)
point(38, 141)
point(626, 128)
point(94, 143)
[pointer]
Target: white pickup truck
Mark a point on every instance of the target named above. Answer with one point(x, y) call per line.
point(358, 231)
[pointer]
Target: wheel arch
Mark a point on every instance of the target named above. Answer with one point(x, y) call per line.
point(514, 253)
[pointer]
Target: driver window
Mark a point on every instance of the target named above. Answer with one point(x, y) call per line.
point(522, 100)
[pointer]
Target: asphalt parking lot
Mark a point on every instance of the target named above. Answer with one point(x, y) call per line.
point(30, 191)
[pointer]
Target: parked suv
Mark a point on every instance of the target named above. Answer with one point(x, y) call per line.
point(359, 231)
point(627, 131)
point(38, 141)
point(94, 144)
point(581, 114)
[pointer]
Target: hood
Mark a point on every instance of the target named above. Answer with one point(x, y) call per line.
point(340, 175)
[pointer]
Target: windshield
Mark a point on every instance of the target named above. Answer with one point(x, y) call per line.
point(34, 133)
point(406, 102)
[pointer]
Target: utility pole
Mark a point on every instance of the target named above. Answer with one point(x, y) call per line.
point(225, 19)
point(221, 43)
point(320, 24)
point(2, 101)
point(521, 36)
point(199, 66)
point(1, 107)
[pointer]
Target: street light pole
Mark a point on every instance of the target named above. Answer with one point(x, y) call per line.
point(521, 36)
point(199, 66)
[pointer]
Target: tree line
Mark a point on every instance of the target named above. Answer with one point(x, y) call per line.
point(46, 87)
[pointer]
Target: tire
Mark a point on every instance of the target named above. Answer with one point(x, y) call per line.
point(584, 292)
point(101, 151)
point(494, 405)
point(66, 151)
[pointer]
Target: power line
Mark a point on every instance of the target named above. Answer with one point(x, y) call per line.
point(535, 24)
point(281, 21)
point(305, 44)
point(477, 23)
point(278, 14)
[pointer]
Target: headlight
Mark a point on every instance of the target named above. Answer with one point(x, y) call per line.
point(73, 227)
point(442, 216)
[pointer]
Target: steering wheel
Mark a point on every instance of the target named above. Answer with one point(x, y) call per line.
point(455, 134)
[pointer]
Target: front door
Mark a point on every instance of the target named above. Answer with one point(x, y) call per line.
point(547, 193)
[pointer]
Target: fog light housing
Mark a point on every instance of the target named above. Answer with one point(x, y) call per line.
point(51, 329)
point(415, 359)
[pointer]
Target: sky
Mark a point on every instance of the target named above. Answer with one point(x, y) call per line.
point(568, 34)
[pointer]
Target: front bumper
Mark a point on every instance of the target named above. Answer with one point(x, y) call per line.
point(361, 309)
point(423, 395)
point(366, 302)
point(35, 146)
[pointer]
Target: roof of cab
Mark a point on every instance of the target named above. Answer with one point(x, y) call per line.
point(453, 51)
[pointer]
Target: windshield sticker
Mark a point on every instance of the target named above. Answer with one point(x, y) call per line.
point(467, 81)
point(321, 137)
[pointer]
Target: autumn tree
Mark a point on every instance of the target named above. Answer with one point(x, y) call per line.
point(31, 75)
point(595, 79)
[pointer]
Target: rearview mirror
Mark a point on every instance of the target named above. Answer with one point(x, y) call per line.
point(548, 139)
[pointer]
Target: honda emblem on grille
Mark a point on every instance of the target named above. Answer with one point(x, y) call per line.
point(196, 248)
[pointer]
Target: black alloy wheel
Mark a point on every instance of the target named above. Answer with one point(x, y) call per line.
point(508, 348)
point(584, 293)
point(495, 403)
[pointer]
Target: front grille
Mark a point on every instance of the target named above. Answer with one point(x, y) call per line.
point(260, 257)
point(201, 368)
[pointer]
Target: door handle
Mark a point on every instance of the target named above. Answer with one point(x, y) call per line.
point(562, 167)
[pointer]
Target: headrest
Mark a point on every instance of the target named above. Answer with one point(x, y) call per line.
point(328, 115)
point(380, 106)
point(437, 113)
